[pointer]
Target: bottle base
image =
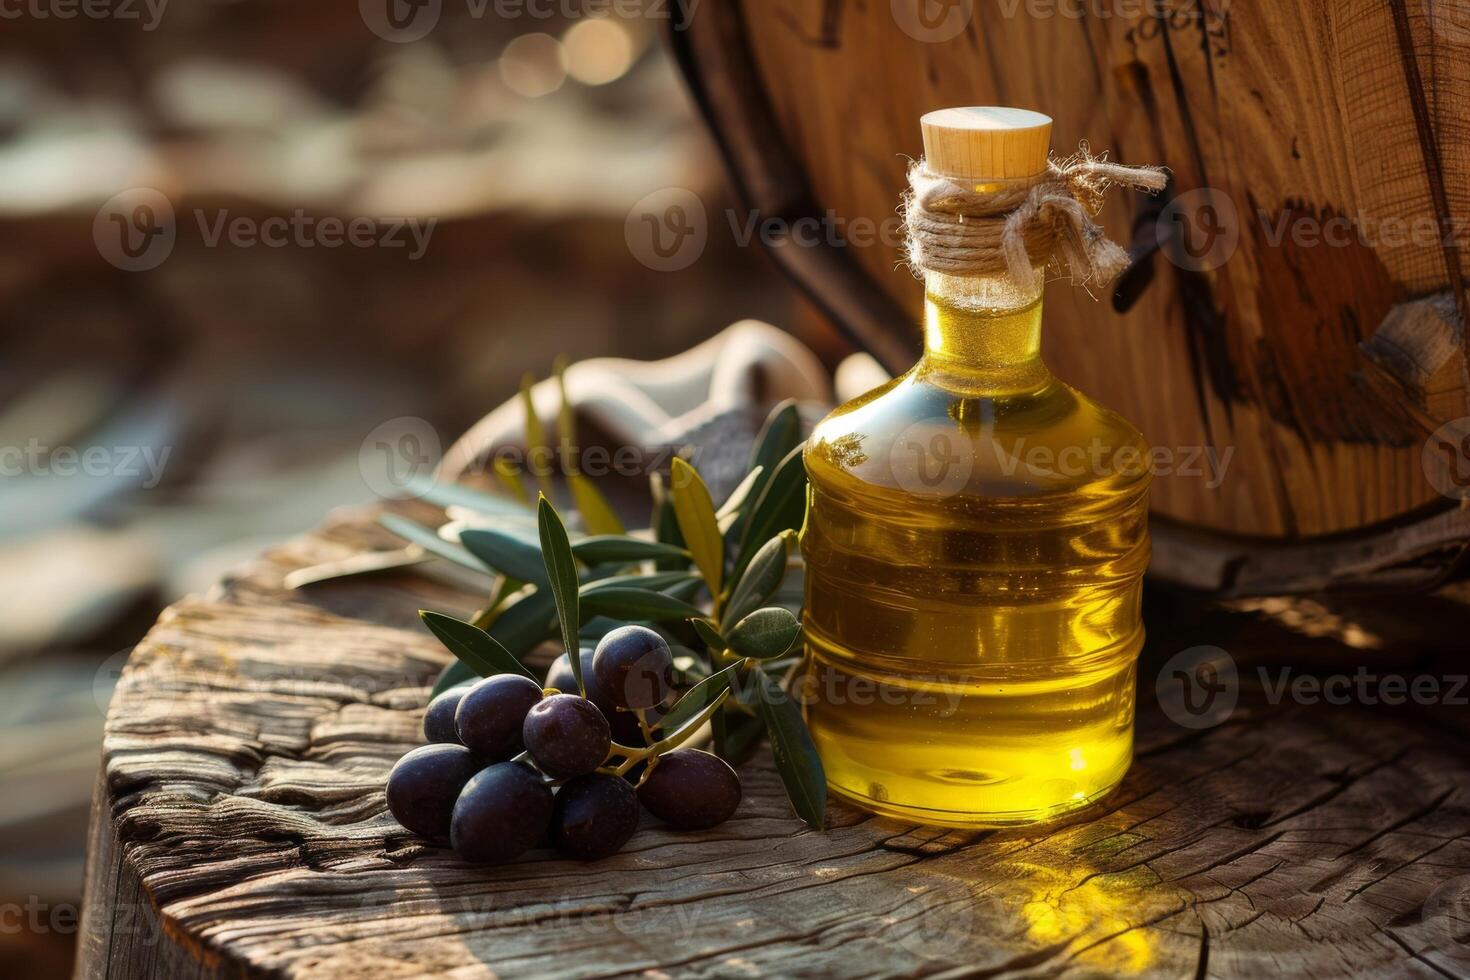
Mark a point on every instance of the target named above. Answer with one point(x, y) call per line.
point(970, 821)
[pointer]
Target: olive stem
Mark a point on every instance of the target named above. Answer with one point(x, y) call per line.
point(647, 771)
point(504, 588)
point(643, 725)
point(634, 756)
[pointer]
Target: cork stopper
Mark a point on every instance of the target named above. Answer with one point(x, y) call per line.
point(986, 143)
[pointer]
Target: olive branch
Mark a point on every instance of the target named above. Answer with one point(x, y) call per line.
point(707, 578)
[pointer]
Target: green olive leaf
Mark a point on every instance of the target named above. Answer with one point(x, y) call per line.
point(594, 628)
point(760, 580)
point(473, 646)
point(717, 727)
point(613, 549)
point(741, 737)
point(781, 507)
point(566, 417)
point(780, 434)
point(740, 495)
point(499, 600)
point(535, 436)
point(431, 542)
point(709, 635)
point(684, 590)
point(631, 605)
point(791, 746)
point(697, 698)
point(654, 581)
point(598, 516)
point(765, 634)
point(513, 554)
point(362, 563)
point(443, 494)
point(510, 478)
point(695, 513)
point(455, 673)
point(665, 522)
point(526, 623)
point(561, 573)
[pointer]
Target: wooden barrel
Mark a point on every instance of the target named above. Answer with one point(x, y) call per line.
point(1296, 303)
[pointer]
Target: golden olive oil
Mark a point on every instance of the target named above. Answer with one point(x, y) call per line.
point(975, 540)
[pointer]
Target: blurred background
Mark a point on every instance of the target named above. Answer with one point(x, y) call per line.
point(171, 406)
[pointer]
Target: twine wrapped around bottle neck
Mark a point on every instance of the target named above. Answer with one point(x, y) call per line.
point(1017, 226)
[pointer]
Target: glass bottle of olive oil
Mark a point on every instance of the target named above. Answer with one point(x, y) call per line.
point(975, 541)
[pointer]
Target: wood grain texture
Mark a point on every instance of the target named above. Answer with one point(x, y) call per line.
point(240, 826)
point(1329, 129)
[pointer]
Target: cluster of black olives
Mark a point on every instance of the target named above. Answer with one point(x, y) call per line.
point(511, 766)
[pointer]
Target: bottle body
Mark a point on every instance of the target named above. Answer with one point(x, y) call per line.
point(975, 542)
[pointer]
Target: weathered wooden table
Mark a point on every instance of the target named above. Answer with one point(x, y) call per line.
point(240, 827)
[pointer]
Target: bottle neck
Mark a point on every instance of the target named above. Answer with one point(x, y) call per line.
point(984, 334)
